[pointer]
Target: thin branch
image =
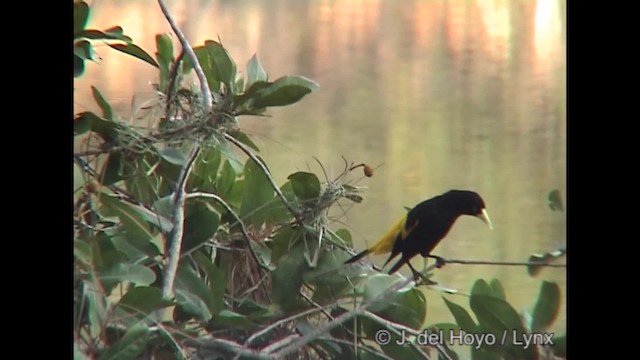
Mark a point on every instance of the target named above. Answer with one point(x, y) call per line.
point(99, 151)
point(390, 324)
point(228, 346)
point(245, 234)
point(279, 344)
point(175, 238)
point(396, 328)
point(365, 348)
point(264, 331)
point(502, 263)
point(264, 169)
point(288, 349)
point(86, 167)
point(186, 47)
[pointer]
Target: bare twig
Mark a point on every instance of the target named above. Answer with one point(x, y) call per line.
point(99, 151)
point(264, 169)
point(228, 346)
point(86, 167)
point(179, 196)
point(264, 331)
point(290, 348)
point(502, 263)
point(245, 234)
point(279, 344)
point(175, 239)
point(186, 47)
point(365, 348)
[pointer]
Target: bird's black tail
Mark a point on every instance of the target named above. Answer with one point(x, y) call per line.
point(398, 265)
point(357, 257)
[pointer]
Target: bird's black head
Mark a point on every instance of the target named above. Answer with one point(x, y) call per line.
point(467, 202)
point(464, 201)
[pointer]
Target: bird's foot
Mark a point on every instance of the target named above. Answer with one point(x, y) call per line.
point(440, 262)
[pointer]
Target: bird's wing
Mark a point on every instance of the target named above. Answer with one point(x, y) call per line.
point(385, 244)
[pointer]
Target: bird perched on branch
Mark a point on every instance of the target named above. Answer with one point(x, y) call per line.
point(422, 228)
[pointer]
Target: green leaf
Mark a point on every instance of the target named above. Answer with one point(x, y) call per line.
point(217, 281)
point(255, 71)
point(142, 301)
point(239, 101)
point(229, 151)
point(483, 354)
point(94, 34)
point(205, 169)
point(329, 269)
point(134, 273)
point(226, 180)
point(80, 17)
point(135, 51)
point(107, 112)
point(112, 170)
point(82, 251)
point(132, 344)
point(206, 63)
point(165, 48)
point(228, 319)
point(397, 351)
point(258, 193)
point(306, 186)
point(498, 317)
point(135, 225)
point(287, 279)
point(547, 308)
point(463, 319)
point(84, 50)
point(78, 66)
point(173, 155)
point(497, 289)
point(284, 91)
point(283, 241)
point(480, 287)
point(96, 306)
point(192, 294)
point(495, 314)
point(560, 346)
point(345, 237)
point(410, 308)
point(154, 218)
point(555, 201)
point(85, 121)
point(101, 246)
point(116, 32)
point(239, 84)
point(165, 59)
point(223, 66)
point(245, 139)
point(201, 224)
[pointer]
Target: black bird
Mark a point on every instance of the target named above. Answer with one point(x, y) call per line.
point(422, 228)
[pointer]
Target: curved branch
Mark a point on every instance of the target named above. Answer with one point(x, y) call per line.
point(246, 236)
point(186, 47)
point(264, 169)
point(175, 238)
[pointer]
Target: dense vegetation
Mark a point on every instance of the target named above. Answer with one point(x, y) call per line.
point(186, 248)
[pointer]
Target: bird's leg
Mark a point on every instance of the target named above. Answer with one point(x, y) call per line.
point(439, 260)
point(417, 275)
